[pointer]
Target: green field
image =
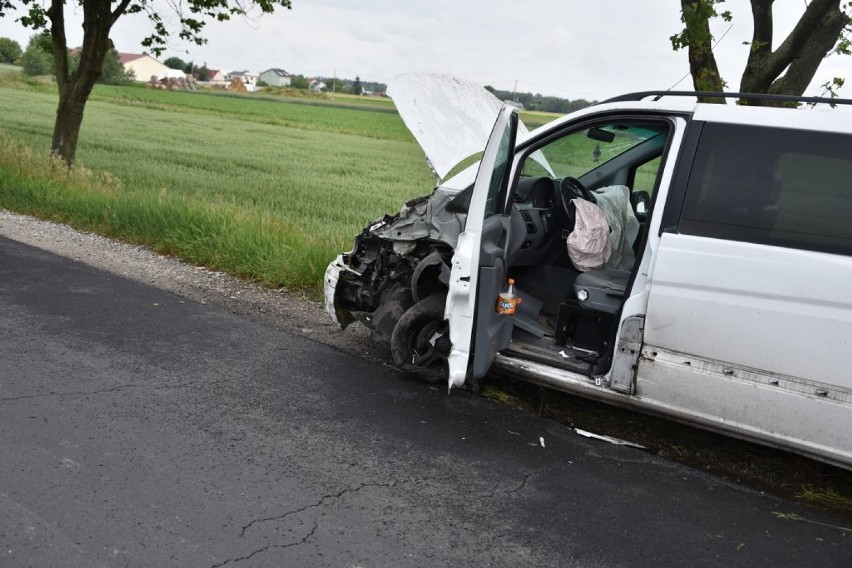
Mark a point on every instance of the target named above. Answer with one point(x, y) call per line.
point(267, 190)
point(264, 187)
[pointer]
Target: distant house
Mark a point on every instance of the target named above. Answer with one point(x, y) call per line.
point(143, 66)
point(317, 85)
point(215, 75)
point(275, 77)
point(248, 79)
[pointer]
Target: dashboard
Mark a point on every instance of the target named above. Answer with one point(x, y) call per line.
point(535, 192)
point(534, 198)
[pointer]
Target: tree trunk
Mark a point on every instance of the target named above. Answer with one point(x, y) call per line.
point(702, 61)
point(75, 88)
point(72, 101)
point(66, 128)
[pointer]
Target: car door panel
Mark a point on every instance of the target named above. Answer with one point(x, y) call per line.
point(480, 252)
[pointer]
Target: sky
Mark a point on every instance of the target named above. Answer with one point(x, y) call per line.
point(566, 48)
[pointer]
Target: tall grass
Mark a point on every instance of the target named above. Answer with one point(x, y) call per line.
point(268, 202)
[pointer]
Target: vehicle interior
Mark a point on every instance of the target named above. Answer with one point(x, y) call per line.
point(568, 317)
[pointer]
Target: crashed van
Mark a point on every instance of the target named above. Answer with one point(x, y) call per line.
point(723, 297)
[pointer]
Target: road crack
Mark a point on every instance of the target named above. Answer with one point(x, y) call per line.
point(319, 503)
point(270, 547)
point(520, 486)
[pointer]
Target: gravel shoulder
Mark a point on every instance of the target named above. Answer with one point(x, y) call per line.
point(277, 308)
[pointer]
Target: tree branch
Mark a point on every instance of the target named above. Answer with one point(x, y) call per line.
point(803, 67)
point(702, 61)
point(761, 12)
point(97, 22)
point(765, 65)
point(119, 10)
point(59, 44)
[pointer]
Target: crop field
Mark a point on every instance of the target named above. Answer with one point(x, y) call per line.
point(266, 190)
point(264, 187)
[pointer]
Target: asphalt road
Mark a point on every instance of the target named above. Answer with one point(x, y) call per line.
point(138, 428)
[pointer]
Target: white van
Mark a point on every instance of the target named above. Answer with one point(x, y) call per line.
point(725, 300)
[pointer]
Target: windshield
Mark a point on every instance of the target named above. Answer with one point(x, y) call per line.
point(585, 150)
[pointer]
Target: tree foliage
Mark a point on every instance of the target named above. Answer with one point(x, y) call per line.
point(99, 16)
point(37, 59)
point(10, 50)
point(789, 68)
point(175, 63)
point(540, 102)
point(299, 82)
point(203, 72)
point(357, 89)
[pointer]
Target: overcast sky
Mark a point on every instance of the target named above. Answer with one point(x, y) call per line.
point(567, 48)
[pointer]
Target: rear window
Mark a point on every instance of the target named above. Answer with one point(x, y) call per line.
point(773, 186)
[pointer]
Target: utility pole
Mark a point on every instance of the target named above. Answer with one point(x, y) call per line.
point(515, 92)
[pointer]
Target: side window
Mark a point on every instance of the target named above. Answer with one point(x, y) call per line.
point(499, 182)
point(771, 186)
point(645, 177)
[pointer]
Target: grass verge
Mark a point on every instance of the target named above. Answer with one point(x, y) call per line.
point(228, 190)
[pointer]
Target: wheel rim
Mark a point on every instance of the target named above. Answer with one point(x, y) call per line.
point(430, 345)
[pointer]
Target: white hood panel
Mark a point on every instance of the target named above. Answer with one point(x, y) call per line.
point(450, 117)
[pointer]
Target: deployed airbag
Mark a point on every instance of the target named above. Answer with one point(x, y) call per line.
point(614, 200)
point(589, 245)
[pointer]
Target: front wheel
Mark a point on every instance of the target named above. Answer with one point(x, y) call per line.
point(420, 342)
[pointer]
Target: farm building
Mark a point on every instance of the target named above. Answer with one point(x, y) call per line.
point(248, 79)
point(275, 77)
point(215, 75)
point(143, 65)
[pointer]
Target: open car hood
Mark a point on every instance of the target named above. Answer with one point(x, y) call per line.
point(450, 117)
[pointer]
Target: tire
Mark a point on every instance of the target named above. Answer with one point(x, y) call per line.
point(420, 342)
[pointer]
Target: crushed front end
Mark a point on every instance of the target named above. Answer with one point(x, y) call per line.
point(397, 262)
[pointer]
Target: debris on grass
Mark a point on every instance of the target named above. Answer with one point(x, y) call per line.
point(825, 497)
point(496, 394)
point(795, 517)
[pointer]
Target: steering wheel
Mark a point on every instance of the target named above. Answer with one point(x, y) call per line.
point(573, 186)
point(570, 188)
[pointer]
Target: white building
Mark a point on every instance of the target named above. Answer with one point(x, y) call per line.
point(275, 77)
point(143, 66)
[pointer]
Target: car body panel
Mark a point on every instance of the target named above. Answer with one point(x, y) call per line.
point(762, 307)
point(450, 117)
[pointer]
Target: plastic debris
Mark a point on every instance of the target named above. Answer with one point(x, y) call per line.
point(609, 439)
